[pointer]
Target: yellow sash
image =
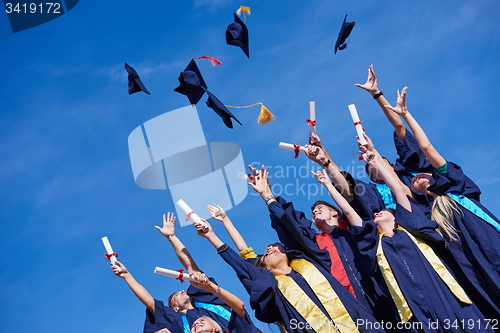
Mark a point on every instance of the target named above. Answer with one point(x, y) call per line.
point(440, 269)
point(342, 321)
point(398, 297)
point(393, 286)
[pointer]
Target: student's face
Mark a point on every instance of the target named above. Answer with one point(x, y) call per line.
point(274, 256)
point(179, 300)
point(421, 182)
point(324, 216)
point(384, 216)
point(203, 325)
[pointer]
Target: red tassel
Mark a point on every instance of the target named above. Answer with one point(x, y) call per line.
point(214, 61)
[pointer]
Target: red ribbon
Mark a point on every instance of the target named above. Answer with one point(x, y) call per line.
point(180, 274)
point(359, 123)
point(296, 150)
point(252, 179)
point(188, 215)
point(311, 122)
point(111, 255)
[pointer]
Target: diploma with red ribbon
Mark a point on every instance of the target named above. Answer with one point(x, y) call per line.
point(111, 255)
point(190, 214)
point(178, 275)
point(295, 148)
point(312, 116)
point(357, 123)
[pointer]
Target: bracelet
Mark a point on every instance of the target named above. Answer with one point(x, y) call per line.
point(377, 95)
point(326, 164)
point(217, 291)
point(269, 198)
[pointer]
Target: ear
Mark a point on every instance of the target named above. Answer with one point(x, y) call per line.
point(334, 213)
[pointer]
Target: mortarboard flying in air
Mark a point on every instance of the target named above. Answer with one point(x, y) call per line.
point(345, 30)
point(194, 87)
point(134, 81)
point(237, 32)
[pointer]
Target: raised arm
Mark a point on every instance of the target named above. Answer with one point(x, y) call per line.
point(217, 213)
point(168, 230)
point(316, 153)
point(345, 207)
point(140, 292)
point(389, 178)
point(227, 297)
point(423, 141)
point(209, 235)
point(371, 85)
point(370, 148)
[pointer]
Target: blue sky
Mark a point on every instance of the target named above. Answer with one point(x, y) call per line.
point(66, 179)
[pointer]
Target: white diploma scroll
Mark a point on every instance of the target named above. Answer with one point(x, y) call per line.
point(190, 214)
point(290, 146)
point(312, 116)
point(357, 123)
point(174, 274)
point(109, 249)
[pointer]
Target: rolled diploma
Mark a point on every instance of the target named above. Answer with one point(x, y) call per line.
point(312, 115)
point(195, 218)
point(174, 274)
point(109, 249)
point(289, 146)
point(355, 119)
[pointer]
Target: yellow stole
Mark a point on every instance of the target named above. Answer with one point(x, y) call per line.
point(396, 293)
point(342, 321)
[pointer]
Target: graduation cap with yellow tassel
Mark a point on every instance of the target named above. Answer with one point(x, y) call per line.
point(237, 32)
point(265, 115)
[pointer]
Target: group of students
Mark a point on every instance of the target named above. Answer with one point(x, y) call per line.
point(414, 251)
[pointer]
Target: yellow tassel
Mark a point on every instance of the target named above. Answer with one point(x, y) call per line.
point(245, 10)
point(265, 115)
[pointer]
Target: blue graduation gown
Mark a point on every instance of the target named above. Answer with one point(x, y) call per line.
point(295, 232)
point(428, 297)
point(476, 255)
point(166, 317)
point(271, 306)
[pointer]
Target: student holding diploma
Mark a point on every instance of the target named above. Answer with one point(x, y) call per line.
point(471, 232)
point(398, 245)
point(203, 299)
point(295, 291)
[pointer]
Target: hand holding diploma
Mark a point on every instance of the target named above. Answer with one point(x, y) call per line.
point(190, 214)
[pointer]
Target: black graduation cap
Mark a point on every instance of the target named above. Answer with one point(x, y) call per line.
point(191, 83)
point(216, 105)
point(237, 35)
point(345, 31)
point(134, 81)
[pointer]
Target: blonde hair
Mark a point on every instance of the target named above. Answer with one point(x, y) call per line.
point(215, 325)
point(442, 213)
